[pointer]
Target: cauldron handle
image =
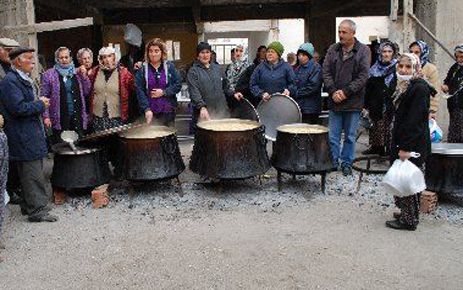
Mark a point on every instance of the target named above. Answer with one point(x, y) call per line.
point(167, 146)
point(260, 136)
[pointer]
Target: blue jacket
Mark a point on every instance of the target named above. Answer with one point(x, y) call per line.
point(23, 123)
point(174, 85)
point(272, 79)
point(309, 80)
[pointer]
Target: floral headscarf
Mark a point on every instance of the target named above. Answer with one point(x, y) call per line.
point(424, 55)
point(385, 69)
point(402, 85)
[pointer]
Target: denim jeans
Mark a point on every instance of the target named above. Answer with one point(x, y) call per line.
point(348, 123)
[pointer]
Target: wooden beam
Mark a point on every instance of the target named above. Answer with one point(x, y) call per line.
point(48, 26)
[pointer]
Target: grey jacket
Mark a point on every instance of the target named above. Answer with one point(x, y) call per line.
point(350, 75)
point(209, 88)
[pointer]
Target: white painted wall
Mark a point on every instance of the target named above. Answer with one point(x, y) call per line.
point(291, 34)
point(367, 27)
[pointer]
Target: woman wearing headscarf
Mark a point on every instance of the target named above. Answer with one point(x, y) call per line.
point(68, 92)
point(380, 87)
point(410, 132)
point(85, 59)
point(429, 72)
point(242, 86)
point(274, 75)
point(157, 84)
point(113, 86)
point(453, 85)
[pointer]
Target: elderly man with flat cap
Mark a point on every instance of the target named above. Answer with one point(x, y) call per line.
point(6, 45)
point(22, 110)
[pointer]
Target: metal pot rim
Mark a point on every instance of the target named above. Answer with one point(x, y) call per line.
point(447, 148)
point(283, 128)
point(201, 125)
point(169, 131)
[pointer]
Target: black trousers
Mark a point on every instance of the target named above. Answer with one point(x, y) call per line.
point(33, 187)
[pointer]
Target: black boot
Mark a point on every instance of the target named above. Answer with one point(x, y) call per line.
point(395, 224)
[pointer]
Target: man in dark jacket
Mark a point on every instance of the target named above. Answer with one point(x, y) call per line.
point(207, 86)
point(345, 74)
point(22, 110)
point(6, 45)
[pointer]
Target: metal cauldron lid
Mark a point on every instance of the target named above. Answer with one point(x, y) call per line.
point(279, 110)
point(302, 128)
point(148, 132)
point(447, 148)
point(229, 125)
point(244, 110)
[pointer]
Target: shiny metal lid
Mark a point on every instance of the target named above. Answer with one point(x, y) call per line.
point(447, 148)
point(279, 110)
point(244, 110)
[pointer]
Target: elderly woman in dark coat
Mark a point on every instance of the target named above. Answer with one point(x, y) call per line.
point(380, 87)
point(274, 75)
point(453, 85)
point(410, 132)
point(309, 84)
point(209, 90)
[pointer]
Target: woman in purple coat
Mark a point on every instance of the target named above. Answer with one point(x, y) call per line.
point(68, 92)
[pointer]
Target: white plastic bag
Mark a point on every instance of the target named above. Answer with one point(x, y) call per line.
point(132, 35)
point(436, 131)
point(404, 178)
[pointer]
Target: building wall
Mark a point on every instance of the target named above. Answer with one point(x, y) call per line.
point(176, 32)
point(449, 22)
point(444, 19)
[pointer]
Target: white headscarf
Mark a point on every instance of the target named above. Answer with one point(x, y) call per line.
point(403, 81)
point(107, 50)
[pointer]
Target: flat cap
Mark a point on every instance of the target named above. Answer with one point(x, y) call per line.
point(8, 42)
point(15, 52)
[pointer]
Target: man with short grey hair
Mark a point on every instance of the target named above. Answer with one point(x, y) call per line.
point(22, 109)
point(345, 74)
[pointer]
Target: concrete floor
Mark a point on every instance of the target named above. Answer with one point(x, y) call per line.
point(248, 237)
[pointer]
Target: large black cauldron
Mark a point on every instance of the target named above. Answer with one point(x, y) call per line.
point(83, 168)
point(444, 172)
point(223, 150)
point(302, 149)
point(152, 153)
